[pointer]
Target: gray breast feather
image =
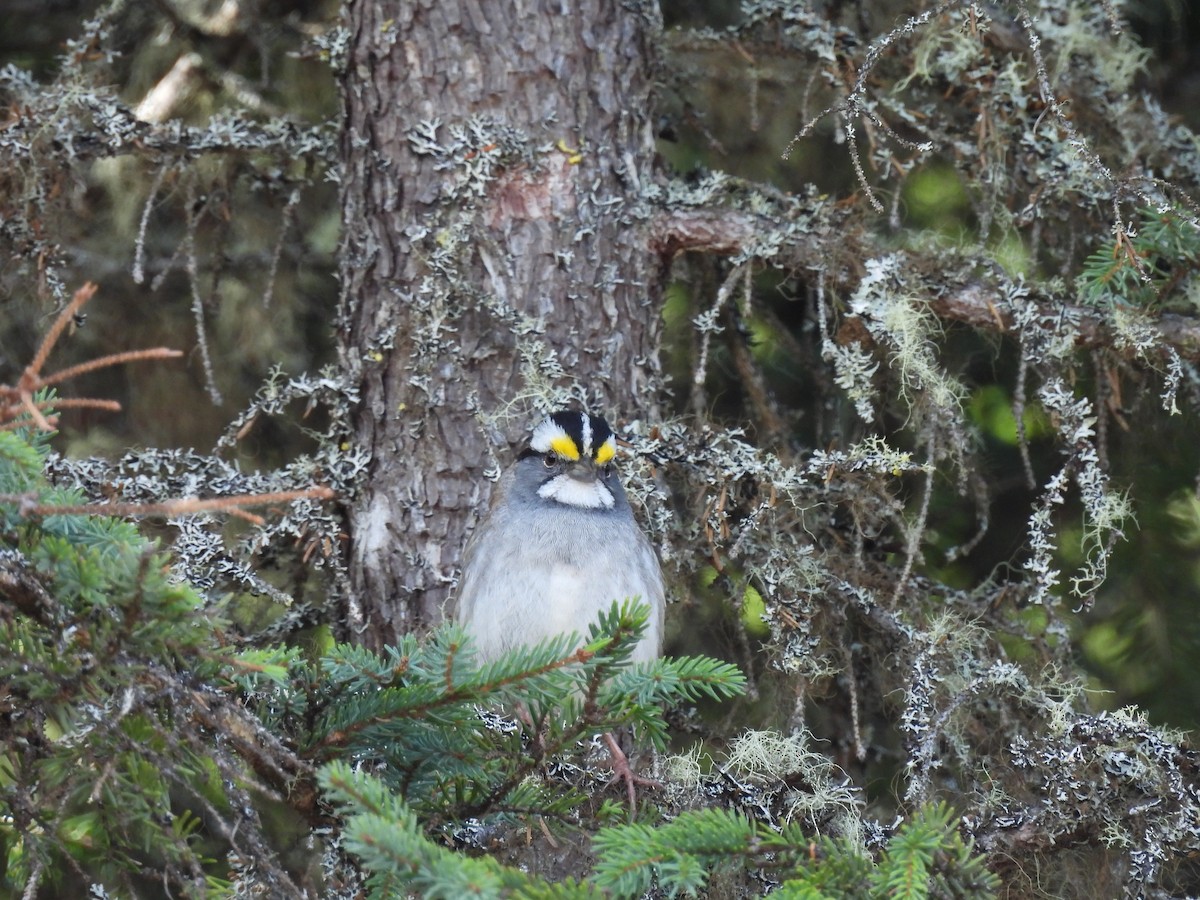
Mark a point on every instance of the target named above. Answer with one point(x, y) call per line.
point(554, 573)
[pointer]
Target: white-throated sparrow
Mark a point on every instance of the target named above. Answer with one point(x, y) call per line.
point(557, 547)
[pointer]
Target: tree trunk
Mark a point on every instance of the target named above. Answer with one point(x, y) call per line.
point(494, 160)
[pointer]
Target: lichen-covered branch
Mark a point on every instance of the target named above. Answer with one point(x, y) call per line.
point(978, 300)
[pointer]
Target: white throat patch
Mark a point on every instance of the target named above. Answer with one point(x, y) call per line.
point(572, 492)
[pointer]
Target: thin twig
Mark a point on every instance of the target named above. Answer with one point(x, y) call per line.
point(113, 359)
point(15, 399)
point(183, 507)
point(82, 296)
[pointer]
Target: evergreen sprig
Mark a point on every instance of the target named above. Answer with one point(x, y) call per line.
point(926, 857)
point(122, 757)
point(1145, 267)
point(388, 837)
point(417, 714)
point(95, 641)
point(437, 724)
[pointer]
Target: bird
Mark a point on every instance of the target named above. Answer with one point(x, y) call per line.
point(558, 545)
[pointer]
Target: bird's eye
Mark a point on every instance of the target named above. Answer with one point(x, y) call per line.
point(608, 470)
point(550, 460)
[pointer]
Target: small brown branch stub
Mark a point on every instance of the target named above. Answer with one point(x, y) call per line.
point(19, 399)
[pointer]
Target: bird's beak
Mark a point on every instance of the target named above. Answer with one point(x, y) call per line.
point(582, 470)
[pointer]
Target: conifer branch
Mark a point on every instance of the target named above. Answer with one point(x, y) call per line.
point(718, 229)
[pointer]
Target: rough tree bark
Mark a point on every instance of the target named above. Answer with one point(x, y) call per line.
point(493, 158)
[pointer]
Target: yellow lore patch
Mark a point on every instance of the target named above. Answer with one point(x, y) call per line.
point(573, 436)
point(606, 451)
point(565, 447)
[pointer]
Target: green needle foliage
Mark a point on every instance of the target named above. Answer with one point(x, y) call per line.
point(1152, 266)
point(139, 739)
point(98, 646)
point(387, 836)
point(116, 762)
point(926, 857)
point(436, 759)
point(420, 712)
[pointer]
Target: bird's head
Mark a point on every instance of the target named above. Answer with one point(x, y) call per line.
point(572, 454)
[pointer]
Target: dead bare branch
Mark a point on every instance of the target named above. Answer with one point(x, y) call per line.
point(30, 506)
point(18, 399)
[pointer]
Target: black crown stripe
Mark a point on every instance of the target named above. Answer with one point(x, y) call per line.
point(572, 423)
